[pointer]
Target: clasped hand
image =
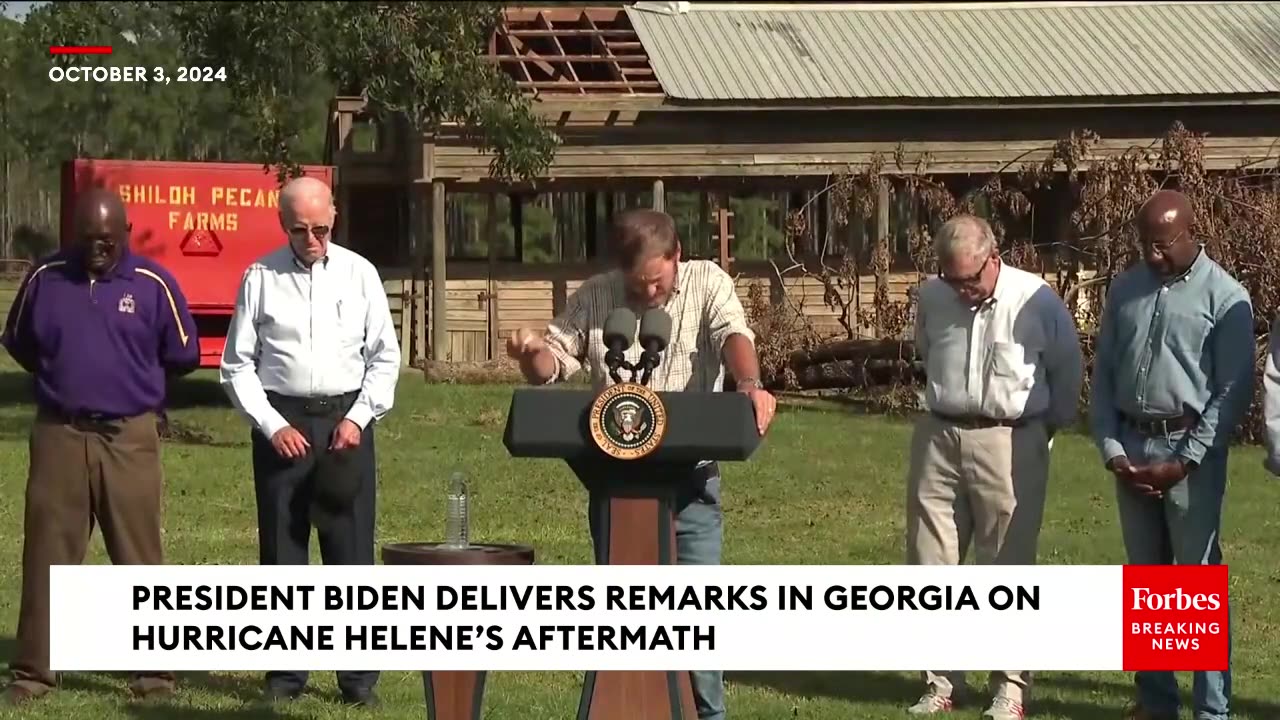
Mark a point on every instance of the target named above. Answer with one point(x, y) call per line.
point(291, 444)
point(1151, 480)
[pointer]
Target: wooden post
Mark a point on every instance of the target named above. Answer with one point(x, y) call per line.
point(882, 246)
point(659, 196)
point(496, 341)
point(439, 307)
point(420, 219)
point(723, 214)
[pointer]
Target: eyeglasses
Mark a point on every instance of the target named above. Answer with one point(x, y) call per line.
point(973, 279)
point(319, 232)
point(1164, 247)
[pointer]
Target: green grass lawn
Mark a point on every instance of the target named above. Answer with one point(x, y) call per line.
point(827, 488)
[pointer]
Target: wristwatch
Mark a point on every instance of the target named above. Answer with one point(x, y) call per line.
point(745, 382)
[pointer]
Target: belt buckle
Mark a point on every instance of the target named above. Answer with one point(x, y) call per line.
point(316, 406)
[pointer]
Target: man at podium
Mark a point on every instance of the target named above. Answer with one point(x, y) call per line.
point(709, 332)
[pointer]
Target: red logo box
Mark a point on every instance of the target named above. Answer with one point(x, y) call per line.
point(1175, 618)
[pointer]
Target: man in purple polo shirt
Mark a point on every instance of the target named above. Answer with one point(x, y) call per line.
point(100, 329)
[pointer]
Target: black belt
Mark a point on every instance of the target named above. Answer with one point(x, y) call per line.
point(85, 420)
point(318, 406)
point(978, 422)
point(1160, 426)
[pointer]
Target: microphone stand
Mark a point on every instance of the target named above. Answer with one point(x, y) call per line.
point(615, 361)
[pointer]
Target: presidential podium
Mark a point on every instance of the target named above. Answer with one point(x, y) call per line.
point(635, 451)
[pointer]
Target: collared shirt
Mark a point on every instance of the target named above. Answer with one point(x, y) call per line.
point(704, 309)
point(101, 346)
point(1169, 347)
point(1271, 399)
point(1016, 355)
point(321, 331)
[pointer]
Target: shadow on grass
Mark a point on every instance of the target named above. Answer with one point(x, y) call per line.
point(162, 711)
point(244, 690)
point(903, 689)
point(184, 393)
point(1256, 709)
point(17, 397)
point(875, 687)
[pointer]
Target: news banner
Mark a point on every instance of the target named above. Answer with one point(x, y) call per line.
point(658, 617)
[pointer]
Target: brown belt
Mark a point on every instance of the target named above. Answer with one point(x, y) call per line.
point(978, 422)
point(1161, 426)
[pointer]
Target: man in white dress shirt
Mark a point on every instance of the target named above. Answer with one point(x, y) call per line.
point(312, 360)
point(1005, 370)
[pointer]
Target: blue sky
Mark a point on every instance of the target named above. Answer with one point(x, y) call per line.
point(19, 9)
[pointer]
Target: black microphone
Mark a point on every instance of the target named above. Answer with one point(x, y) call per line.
point(655, 333)
point(619, 328)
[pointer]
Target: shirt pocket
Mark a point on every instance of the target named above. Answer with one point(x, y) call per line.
point(1014, 364)
point(351, 321)
point(1187, 333)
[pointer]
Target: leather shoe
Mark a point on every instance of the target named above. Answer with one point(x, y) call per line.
point(145, 688)
point(361, 698)
point(277, 694)
point(18, 694)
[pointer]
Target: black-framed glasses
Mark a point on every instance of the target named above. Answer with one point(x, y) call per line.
point(966, 279)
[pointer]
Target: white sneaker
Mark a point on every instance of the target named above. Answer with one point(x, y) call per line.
point(1003, 708)
point(931, 703)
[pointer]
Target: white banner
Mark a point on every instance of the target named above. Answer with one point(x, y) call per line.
point(549, 617)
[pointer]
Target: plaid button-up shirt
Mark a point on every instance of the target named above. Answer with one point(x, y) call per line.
point(704, 309)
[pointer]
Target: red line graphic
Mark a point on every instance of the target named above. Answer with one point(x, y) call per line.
point(80, 50)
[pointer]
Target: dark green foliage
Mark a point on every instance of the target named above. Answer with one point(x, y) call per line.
point(418, 60)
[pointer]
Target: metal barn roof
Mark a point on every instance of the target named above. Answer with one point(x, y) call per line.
point(960, 51)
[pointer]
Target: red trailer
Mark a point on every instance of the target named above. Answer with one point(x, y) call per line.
point(204, 222)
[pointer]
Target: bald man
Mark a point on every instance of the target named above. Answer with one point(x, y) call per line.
point(312, 362)
point(1172, 378)
point(100, 329)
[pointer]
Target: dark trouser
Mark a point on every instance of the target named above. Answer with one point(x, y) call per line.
point(699, 540)
point(106, 472)
point(1183, 527)
point(285, 490)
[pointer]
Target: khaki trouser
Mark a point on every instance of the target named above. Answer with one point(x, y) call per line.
point(985, 485)
point(109, 473)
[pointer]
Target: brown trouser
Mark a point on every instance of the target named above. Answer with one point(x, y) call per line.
point(984, 485)
point(82, 473)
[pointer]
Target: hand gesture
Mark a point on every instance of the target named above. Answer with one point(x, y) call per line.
point(523, 342)
point(765, 405)
point(345, 435)
point(289, 443)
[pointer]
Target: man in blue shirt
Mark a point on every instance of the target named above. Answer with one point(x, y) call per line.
point(1173, 377)
point(100, 329)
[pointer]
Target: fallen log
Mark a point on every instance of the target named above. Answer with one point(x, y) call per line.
point(855, 350)
point(859, 373)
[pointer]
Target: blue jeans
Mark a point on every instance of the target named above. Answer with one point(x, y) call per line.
point(699, 540)
point(1180, 528)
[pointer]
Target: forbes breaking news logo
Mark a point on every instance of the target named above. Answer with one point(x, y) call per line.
point(1176, 618)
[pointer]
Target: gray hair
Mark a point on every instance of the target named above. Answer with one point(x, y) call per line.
point(967, 236)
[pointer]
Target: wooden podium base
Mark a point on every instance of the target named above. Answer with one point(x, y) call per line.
point(625, 695)
point(453, 694)
point(623, 522)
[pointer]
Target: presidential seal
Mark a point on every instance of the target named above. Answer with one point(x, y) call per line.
point(628, 421)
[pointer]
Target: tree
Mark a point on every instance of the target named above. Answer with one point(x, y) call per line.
point(421, 61)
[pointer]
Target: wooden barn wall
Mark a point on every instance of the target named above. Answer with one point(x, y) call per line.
point(697, 146)
point(482, 311)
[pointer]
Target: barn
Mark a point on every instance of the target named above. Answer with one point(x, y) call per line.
point(731, 117)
